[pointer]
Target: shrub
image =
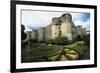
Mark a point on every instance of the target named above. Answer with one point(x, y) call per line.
point(79, 38)
point(87, 39)
point(60, 41)
point(49, 41)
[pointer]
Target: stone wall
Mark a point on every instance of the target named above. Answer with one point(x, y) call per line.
point(55, 31)
point(66, 26)
point(48, 32)
point(60, 26)
point(34, 35)
point(41, 35)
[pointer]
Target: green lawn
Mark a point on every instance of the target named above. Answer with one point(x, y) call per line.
point(82, 49)
point(45, 50)
point(38, 52)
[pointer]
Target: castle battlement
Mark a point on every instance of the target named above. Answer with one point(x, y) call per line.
point(60, 26)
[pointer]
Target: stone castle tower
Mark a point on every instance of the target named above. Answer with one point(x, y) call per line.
point(60, 26)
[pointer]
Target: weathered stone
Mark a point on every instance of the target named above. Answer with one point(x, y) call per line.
point(34, 35)
point(60, 26)
point(41, 34)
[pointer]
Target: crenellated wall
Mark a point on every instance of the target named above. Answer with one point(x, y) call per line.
point(60, 26)
point(34, 35)
point(41, 34)
point(48, 32)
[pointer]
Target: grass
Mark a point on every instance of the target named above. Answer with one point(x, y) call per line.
point(45, 50)
point(39, 52)
point(80, 48)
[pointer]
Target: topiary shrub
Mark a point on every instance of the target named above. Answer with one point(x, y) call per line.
point(59, 41)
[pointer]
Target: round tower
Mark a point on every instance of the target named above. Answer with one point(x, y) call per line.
point(34, 35)
point(66, 26)
point(55, 27)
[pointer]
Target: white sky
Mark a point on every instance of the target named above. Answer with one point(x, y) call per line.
point(37, 19)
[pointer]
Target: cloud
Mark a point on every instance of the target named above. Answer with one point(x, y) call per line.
point(81, 19)
point(37, 19)
point(85, 24)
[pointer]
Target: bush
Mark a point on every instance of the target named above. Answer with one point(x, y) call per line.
point(87, 39)
point(79, 38)
point(59, 41)
point(49, 41)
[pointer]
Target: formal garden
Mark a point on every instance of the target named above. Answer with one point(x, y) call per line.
point(58, 49)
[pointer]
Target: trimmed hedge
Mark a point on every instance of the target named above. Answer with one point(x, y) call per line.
point(59, 41)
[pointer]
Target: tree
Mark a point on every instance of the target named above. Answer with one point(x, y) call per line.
point(23, 35)
point(87, 39)
point(79, 38)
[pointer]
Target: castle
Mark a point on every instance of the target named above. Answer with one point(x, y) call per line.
point(59, 26)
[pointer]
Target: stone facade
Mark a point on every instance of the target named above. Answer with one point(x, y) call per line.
point(60, 26)
point(48, 32)
point(41, 34)
point(34, 35)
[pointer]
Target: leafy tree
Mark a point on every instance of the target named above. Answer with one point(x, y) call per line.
point(79, 38)
point(87, 39)
point(23, 35)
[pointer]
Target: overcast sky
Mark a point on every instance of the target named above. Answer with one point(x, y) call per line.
point(37, 19)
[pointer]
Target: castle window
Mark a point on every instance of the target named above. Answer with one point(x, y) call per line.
point(59, 21)
point(56, 24)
